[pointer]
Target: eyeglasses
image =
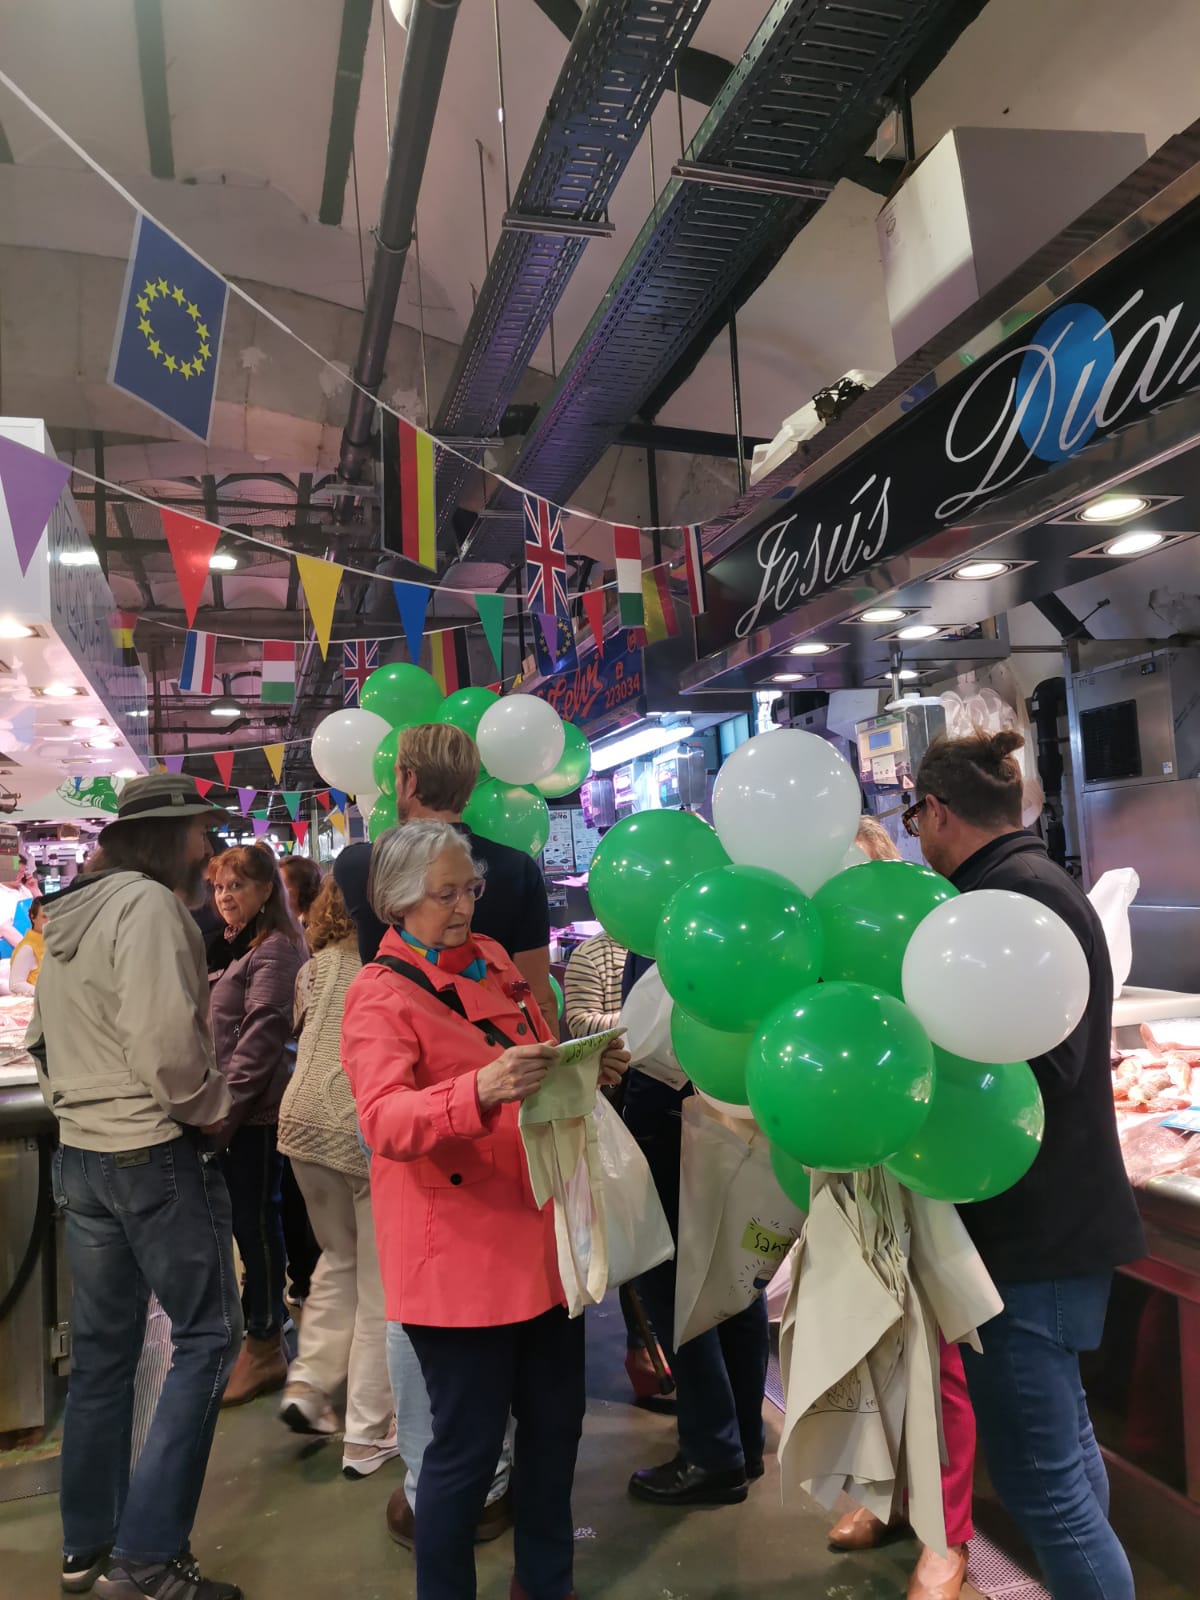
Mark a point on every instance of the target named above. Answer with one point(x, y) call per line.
point(449, 898)
point(911, 816)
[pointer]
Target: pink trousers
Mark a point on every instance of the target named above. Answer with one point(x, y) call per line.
point(958, 1424)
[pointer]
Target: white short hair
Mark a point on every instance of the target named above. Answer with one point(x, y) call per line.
point(400, 863)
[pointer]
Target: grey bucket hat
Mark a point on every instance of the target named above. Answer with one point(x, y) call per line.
point(162, 794)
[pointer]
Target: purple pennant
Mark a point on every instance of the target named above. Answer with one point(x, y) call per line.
point(30, 484)
point(173, 763)
point(550, 633)
point(260, 826)
point(246, 798)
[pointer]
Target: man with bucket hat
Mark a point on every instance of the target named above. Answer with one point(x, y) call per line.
point(120, 1032)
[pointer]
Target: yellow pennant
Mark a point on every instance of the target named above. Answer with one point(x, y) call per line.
point(320, 581)
point(274, 755)
point(338, 821)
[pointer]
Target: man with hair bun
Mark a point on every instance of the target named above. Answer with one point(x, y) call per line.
point(1053, 1241)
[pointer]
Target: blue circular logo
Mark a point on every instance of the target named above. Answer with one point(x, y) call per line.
point(1060, 381)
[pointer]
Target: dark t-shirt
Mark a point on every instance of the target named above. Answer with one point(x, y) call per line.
point(1073, 1213)
point(513, 909)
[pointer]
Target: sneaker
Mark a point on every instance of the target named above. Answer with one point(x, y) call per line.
point(361, 1460)
point(306, 1410)
point(79, 1573)
point(177, 1579)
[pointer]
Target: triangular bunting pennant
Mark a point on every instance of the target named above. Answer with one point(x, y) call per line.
point(246, 798)
point(491, 613)
point(30, 484)
point(320, 581)
point(300, 829)
point(549, 633)
point(412, 601)
point(593, 610)
point(496, 687)
point(173, 763)
point(291, 799)
point(323, 800)
point(262, 811)
point(191, 543)
point(338, 819)
point(224, 761)
point(274, 755)
point(203, 785)
point(339, 798)
point(260, 826)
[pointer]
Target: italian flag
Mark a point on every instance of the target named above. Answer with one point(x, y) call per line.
point(279, 672)
point(627, 557)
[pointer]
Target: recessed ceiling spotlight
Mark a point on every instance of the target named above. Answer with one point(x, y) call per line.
point(882, 614)
point(810, 647)
point(125, 772)
point(102, 743)
point(907, 674)
point(10, 628)
point(1134, 544)
point(222, 561)
point(973, 571)
point(87, 722)
point(60, 691)
point(789, 677)
point(918, 630)
point(1113, 508)
point(86, 557)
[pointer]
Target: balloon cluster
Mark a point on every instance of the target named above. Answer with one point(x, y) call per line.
point(862, 1011)
point(528, 753)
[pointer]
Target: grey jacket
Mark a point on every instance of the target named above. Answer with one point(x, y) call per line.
point(252, 1006)
point(120, 1018)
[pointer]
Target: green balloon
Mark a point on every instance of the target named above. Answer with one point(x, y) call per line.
point(841, 1077)
point(509, 813)
point(383, 765)
point(982, 1134)
point(556, 991)
point(464, 708)
point(791, 1178)
point(714, 1061)
point(402, 694)
point(868, 914)
point(735, 942)
point(572, 769)
point(383, 816)
point(638, 866)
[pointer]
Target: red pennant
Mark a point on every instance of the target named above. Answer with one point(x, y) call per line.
point(191, 543)
point(324, 799)
point(593, 610)
point(300, 829)
point(203, 785)
point(224, 761)
point(495, 687)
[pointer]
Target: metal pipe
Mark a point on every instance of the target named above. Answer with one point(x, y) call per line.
point(430, 28)
point(500, 109)
point(652, 495)
point(487, 249)
point(736, 374)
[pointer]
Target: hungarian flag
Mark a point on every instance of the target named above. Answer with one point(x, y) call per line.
point(693, 556)
point(198, 670)
point(407, 461)
point(278, 672)
point(627, 555)
point(448, 660)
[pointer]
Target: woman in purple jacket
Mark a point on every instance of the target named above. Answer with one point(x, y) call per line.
point(253, 967)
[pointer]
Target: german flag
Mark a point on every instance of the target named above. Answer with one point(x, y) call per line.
point(122, 624)
point(662, 619)
point(448, 660)
point(407, 473)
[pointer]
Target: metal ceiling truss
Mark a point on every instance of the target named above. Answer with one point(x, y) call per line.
point(801, 104)
point(622, 55)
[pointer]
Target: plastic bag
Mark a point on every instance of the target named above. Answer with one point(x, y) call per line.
point(736, 1225)
point(635, 1223)
point(1111, 895)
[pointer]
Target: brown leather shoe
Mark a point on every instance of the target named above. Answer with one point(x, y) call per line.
point(861, 1529)
point(938, 1577)
point(261, 1368)
point(495, 1521)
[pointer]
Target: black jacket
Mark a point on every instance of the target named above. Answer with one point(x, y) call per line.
point(1073, 1213)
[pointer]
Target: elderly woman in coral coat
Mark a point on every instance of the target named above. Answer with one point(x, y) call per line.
point(441, 1043)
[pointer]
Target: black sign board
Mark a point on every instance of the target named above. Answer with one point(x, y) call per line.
point(1125, 344)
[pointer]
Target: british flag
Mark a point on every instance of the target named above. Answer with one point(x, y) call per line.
point(545, 558)
point(359, 661)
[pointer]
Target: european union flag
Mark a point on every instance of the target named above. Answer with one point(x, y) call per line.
point(168, 344)
point(565, 657)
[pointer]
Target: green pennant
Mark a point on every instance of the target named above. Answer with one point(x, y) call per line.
point(291, 799)
point(491, 613)
point(263, 813)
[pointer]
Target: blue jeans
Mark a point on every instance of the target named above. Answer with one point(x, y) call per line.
point(253, 1170)
point(155, 1219)
point(1037, 1437)
point(414, 1417)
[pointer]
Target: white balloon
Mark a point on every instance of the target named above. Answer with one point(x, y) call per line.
point(646, 1018)
point(788, 801)
point(520, 738)
point(365, 801)
point(855, 856)
point(726, 1107)
point(995, 976)
point(344, 746)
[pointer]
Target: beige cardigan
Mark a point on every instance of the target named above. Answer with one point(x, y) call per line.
point(317, 1119)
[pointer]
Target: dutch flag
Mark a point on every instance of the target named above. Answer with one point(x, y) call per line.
point(198, 670)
